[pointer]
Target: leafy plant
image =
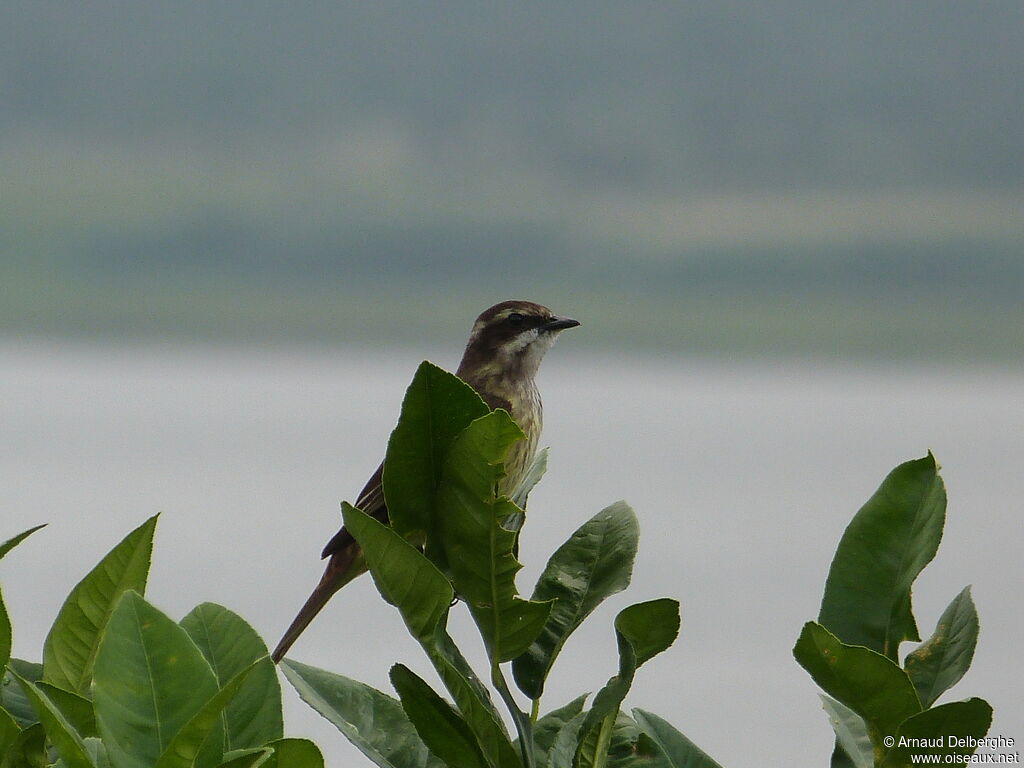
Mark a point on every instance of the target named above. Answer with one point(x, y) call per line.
point(881, 712)
point(441, 474)
point(122, 685)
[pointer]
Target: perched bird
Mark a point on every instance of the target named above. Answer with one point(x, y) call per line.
point(501, 359)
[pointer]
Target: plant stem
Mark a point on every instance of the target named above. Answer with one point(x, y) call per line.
point(604, 739)
point(523, 723)
point(535, 710)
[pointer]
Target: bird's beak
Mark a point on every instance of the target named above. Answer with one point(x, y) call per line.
point(560, 323)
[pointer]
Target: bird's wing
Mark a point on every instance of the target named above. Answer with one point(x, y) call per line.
point(370, 501)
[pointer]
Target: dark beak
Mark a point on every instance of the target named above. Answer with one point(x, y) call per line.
point(560, 324)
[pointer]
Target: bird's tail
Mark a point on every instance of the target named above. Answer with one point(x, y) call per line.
point(342, 568)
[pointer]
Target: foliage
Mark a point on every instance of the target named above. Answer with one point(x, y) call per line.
point(122, 685)
point(441, 474)
point(878, 708)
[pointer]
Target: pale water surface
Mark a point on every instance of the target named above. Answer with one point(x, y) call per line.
point(743, 474)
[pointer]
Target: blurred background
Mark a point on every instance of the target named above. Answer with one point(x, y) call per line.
point(794, 233)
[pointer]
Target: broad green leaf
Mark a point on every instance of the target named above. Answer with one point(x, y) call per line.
point(596, 562)
point(28, 749)
point(680, 751)
point(12, 695)
point(867, 682)
point(229, 645)
point(294, 753)
point(625, 746)
point(642, 631)
point(630, 747)
point(438, 405)
point(253, 757)
point(444, 732)
point(474, 702)
point(404, 577)
point(546, 728)
point(183, 750)
point(889, 541)
point(955, 720)
point(478, 549)
point(150, 680)
point(14, 541)
point(939, 663)
point(76, 709)
point(374, 722)
point(423, 596)
point(97, 752)
point(839, 757)
point(566, 742)
point(9, 731)
point(851, 733)
point(649, 627)
point(70, 649)
point(65, 738)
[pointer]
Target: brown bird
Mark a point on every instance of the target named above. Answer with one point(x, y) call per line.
point(501, 359)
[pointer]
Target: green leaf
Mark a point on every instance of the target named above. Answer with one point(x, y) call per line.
point(546, 728)
point(230, 645)
point(649, 627)
point(867, 682)
point(294, 753)
point(9, 731)
point(438, 405)
point(12, 695)
point(596, 562)
point(630, 747)
point(67, 741)
point(28, 749)
point(6, 636)
point(642, 631)
point(404, 577)
point(14, 541)
point(566, 742)
point(478, 549)
point(97, 752)
point(474, 702)
point(939, 663)
point(839, 757)
point(374, 722)
point(851, 733)
point(280, 753)
point(253, 757)
point(444, 732)
point(958, 719)
point(423, 596)
point(889, 541)
point(70, 649)
point(76, 709)
point(150, 680)
point(680, 751)
point(183, 750)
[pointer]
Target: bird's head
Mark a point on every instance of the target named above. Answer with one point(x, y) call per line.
point(510, 339)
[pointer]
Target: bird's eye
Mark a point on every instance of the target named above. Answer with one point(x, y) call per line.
point(516, 319)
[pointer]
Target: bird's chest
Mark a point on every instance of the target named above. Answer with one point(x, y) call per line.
point(528, 412)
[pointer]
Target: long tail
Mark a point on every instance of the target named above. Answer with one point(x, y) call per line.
point(342, 568)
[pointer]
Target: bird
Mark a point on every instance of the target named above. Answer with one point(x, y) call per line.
point(504, 351)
